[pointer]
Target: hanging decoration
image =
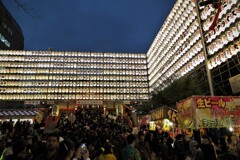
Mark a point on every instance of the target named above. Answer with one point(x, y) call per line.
point(215, 4)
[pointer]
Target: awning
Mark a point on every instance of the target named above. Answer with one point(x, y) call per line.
point(18, 113)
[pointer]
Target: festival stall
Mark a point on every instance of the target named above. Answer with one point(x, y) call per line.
point(201, 112)
point(165, 119)
point(22, 115)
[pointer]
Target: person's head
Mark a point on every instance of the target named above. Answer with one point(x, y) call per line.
point(52, 142)
point(179, 137)
point(131, 139)
point(193, 146)
point(66, 149)
point(165, 139)
point(34, 139)
point(108, 148)
point(19, 147)
point(141, 137)
point(206, 140)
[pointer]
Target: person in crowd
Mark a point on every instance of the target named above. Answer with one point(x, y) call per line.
point(34, 146)
point(52, 145)
point(186, 142)
point(195, 150)
point(166, 153)
point(238, 146)
point(222, 147)
point(129, 152)
point(35, 127)
point(143, 147)
point(179, 147)
point(10, 126)
point(2, 148)
point(81, 153)
point(108, 152)
point(18, 127)
point(66, 150)
point(208, 149)
point(228, 156)
point(42, 127)
point(19, 151)
point(9, 146)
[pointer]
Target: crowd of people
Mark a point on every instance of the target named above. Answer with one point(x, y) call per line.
point(88, 135)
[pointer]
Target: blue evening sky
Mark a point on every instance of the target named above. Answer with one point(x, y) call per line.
point(91, 25)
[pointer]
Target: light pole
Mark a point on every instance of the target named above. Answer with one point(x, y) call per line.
point(209, 76)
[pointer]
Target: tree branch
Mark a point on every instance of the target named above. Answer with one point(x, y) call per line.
point(24, 6)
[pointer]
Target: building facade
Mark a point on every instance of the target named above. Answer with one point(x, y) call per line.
point(74, 76)
point(185, 46)
point(11, 36)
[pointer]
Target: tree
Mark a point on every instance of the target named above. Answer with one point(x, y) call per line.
point(178, 90)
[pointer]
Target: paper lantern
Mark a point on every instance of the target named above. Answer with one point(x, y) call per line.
point(234, 49)
point(228, 53)
point(230, 36)
point(235, 32)
point(212, 63)
point(223, 56)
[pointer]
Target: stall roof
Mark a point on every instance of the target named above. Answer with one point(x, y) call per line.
point(18, 113)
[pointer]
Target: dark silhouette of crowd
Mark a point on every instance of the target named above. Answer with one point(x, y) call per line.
point(89, 135)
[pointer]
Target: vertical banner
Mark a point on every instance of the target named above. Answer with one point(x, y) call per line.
point(186, 113)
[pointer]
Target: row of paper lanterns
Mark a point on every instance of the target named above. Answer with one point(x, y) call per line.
point(165, 56)
point(222, 56)
point(167, 27)
point(225, 38)
point(221, 27)
point(225, 6)
point(225, 22)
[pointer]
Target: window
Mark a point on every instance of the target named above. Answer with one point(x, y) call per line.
point(4, 40)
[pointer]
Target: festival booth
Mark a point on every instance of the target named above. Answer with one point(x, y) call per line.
point(22, 115)
point(165, 119)
point(204, 112)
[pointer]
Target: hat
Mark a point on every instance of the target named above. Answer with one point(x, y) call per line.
point(192, 144)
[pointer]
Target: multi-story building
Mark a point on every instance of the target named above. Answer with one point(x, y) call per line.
point(11, 36)
point(185, 46)
point(77, 77)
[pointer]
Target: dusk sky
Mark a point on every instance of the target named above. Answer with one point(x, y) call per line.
point(91, 25)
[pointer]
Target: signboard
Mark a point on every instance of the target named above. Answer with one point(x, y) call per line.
point(235, 83)
point(164, 113)
point(186, 114)
point(152, 126)
point(89, 102)
point(209, 112)
point(32, 102)
point(50, 102)
point(126, 102)
point(217, 112)
point(166, 125)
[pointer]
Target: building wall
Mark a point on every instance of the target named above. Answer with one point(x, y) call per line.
point(48, 75)
point(11, 36)
point(177, 50)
